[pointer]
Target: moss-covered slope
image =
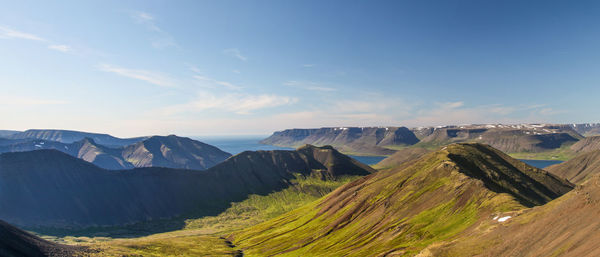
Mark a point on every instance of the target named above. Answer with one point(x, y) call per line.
point(402, 210)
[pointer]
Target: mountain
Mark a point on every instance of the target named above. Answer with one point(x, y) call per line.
point(356, 140)
point(6, 133)
point(173, 152)
point(48, 188)
point(587, 129)
point(567, 226)
point(15, 242)
point(521, 138)
point(578, 169)
point(68, 136)
point(507, 138)
point(587, 144)
point(401, 156)
point(156, 151)
point(439, 197)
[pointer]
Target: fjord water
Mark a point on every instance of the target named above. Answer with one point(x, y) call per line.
point(238, 144)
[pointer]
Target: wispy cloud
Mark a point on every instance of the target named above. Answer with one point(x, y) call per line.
point(60, 48)
point(234, 52)
point(6, 32)
point(163, 38)
point(217, 82)
point(152, 77)
point(308, 65)
point(235, 103)
point(309, 85)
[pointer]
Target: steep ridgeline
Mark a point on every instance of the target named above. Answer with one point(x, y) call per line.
point(587, 129)
point(587, 144)
point(15, 242)
point(401, 156)
point(567, 226)
point(400, 211)
point(578, 169)
point(367, 140)
point(507, 138)
point(156, 151)
point(173, 152)
point(68, 136)
point(48, 188)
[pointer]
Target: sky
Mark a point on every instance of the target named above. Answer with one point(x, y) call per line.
point(197, 68)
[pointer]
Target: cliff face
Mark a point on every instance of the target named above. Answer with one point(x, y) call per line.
point(369, 140)
point(48, 188)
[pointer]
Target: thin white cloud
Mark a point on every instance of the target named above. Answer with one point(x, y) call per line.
point(236, 71)
point(162, 39)
point(309, 85)
point(217, 82)
point(6, 32)
point(234, 52)
point(60, 48)
point(308, 65)
point(152, 77)
point(234, 103)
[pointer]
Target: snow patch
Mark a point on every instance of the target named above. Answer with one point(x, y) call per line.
point(38, 146)
point(495, 218)
point(503, 219)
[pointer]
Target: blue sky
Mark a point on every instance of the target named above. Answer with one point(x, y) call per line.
point(252, 67)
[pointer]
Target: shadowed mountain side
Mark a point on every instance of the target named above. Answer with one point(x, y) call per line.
point(173, 152)
point(68, 136)
point(587, 144)
point(578, 169)
point(49, 188)
point(15, 242)
point(395, 212)
point(567, 226)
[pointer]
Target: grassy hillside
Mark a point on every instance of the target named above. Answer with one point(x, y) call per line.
point(402, 210)
point(567, 226)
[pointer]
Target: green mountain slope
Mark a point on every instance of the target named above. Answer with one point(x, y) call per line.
point(402, 210)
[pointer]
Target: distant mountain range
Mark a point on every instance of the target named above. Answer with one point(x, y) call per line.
point(156, 151)
point(48, 188)
point(69, 136)
point(437, 197)
point(351, 140)
point(522, 138)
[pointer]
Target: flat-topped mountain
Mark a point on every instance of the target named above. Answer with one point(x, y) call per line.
point(6, 133)
point(367, 140)
point(522, 138)
point(398, 211)
point(49, 188)
point(507, 138)
point(156, 151)
point(69, 136)
point(15, 242)
point(578, 169)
